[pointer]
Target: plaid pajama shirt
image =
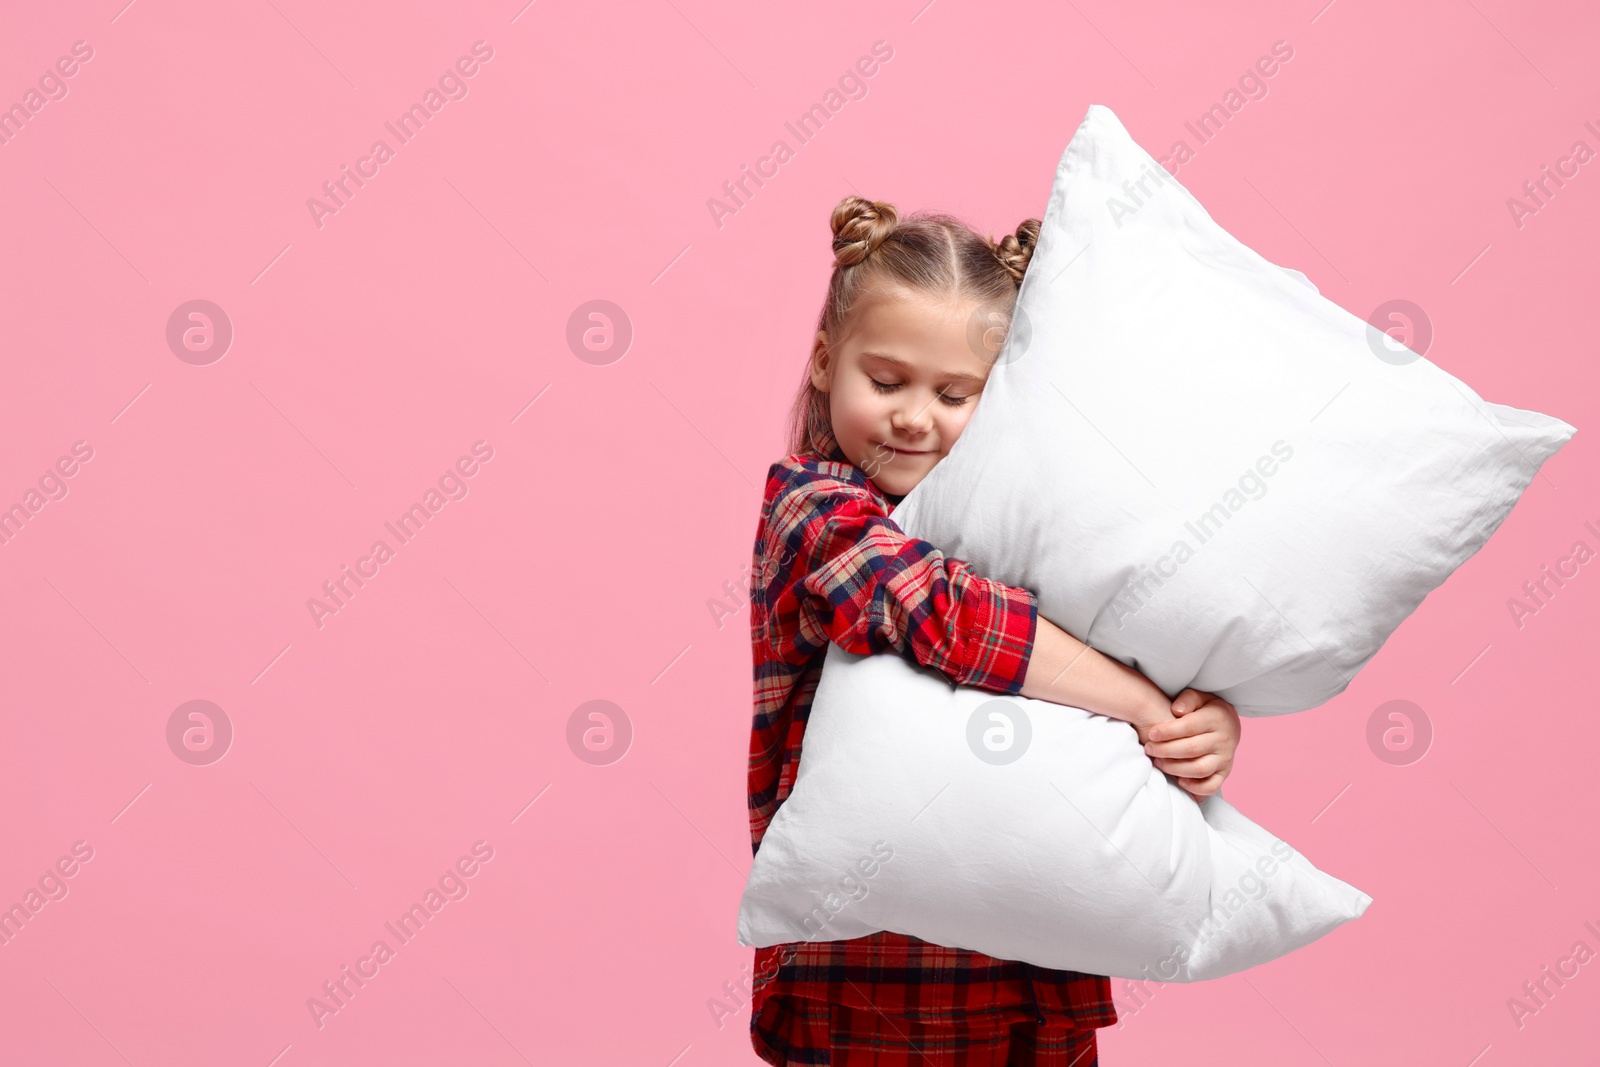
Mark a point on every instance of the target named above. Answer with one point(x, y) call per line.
point(830, 565)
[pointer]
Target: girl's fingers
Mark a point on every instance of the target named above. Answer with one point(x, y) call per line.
point(1182, 747)
point(1200, 767)
point(1188, 726)
point(1202, 787)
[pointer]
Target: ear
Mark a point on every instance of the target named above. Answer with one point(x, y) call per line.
point(821, 362)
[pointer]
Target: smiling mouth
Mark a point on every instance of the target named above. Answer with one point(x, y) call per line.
point(906, 451)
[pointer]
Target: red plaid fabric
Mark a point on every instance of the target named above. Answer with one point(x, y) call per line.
point(798, 1030)
point(830, 565)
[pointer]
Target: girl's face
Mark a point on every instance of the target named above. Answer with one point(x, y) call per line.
point(902, 382)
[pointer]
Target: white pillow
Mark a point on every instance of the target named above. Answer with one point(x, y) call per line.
point(1076, 854)
point(1173, 410)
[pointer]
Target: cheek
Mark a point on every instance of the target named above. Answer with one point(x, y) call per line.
point(855, 414)
point(956, 418)
point(862, 404)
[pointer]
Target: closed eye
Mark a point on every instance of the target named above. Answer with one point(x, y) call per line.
point(887, 387)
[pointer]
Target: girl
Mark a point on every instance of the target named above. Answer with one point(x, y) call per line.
point(903, 349)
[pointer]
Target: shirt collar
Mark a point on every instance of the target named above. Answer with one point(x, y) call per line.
point(826, 445)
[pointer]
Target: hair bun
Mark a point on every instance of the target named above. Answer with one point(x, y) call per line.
point(859, 226)
point(1015, 251)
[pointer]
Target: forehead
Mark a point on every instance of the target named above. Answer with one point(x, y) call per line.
point(918, 333)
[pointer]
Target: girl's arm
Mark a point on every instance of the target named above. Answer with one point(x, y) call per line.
point(858, 580)
point(1064, 670)
point(869, 587)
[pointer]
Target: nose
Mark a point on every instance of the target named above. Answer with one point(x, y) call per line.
point(912, 418)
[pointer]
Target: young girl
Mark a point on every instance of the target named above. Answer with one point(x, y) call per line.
point(902, 351)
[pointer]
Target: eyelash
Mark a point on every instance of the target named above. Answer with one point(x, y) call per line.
point(953, 401)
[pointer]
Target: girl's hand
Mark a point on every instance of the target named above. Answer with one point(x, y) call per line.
point(1197, 747)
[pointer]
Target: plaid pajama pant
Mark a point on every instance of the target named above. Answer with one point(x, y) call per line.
point(794, 1031)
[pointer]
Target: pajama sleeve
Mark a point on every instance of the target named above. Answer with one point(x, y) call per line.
point(867, 586)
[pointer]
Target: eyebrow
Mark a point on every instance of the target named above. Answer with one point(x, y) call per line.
point(897, 361)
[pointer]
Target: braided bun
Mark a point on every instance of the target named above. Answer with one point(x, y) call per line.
point(1015, 251)
point(859, 226)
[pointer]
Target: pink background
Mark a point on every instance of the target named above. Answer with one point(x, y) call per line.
point(431, 312)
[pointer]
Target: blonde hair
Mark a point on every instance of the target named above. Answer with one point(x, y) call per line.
point(928, 252)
